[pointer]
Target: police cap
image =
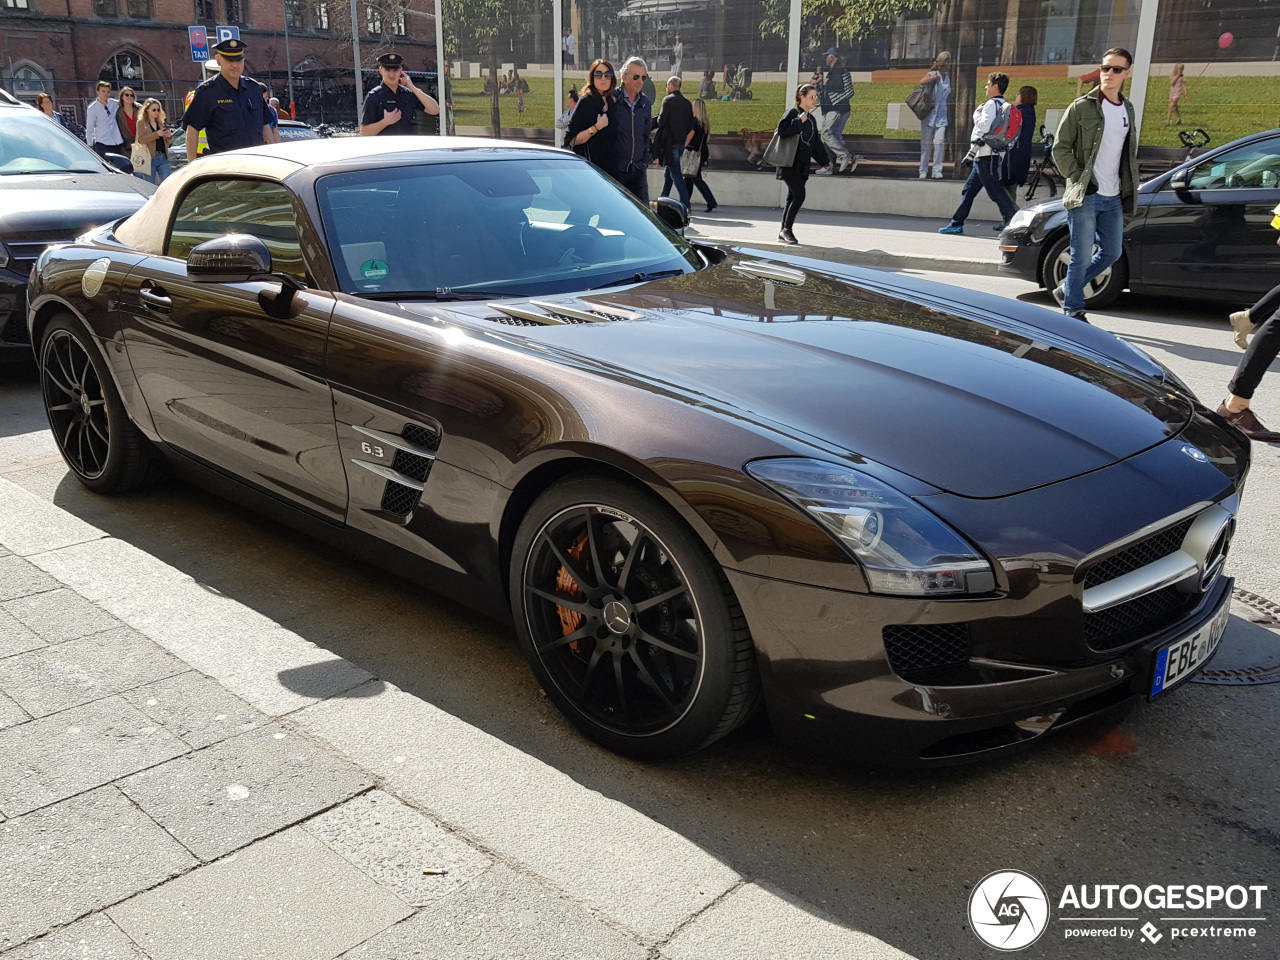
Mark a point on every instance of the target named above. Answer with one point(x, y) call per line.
point(391, 60)
point(231, 48)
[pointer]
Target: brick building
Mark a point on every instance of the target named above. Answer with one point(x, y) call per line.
point(63, 47)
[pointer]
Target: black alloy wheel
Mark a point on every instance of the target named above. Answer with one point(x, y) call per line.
point(105, 451)
point(628, 622)
point(1105, 288)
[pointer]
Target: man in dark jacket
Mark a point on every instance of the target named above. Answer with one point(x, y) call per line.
point(674, 131)
point(835, 96)
point(633, 118)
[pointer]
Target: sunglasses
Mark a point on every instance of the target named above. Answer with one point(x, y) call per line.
point(1108, 69)
point(129, 95)
point(639, 76)
point(603, 74)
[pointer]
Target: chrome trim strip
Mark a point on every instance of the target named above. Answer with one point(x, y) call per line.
point(1115, 546)
point(771, 271)
point(1200, 539)
point(578, 313)
point(1165, 572)
point(391, 440)
point(520, 313)
point(395, 476)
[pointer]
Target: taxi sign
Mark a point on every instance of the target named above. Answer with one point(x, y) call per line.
point(199, 38)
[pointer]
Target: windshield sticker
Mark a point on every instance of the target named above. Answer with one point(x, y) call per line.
point(94, 274)
point(374, 270)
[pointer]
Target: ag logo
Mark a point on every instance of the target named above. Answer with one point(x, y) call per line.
point(1009, 910)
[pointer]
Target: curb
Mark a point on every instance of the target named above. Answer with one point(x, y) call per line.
point(869, 258)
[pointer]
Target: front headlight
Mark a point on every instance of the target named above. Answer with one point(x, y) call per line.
point(903, 548)
point(4, 256)
point(1023, 218)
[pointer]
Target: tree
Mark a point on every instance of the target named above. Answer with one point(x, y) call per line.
point(489, 24)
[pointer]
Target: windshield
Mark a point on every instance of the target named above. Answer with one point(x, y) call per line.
point(32, 143)
point(297, 133)
point(531, 226)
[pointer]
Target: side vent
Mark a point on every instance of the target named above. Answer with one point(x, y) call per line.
point(415, 453)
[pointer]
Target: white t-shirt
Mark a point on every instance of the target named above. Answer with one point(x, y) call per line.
point(1106, 167)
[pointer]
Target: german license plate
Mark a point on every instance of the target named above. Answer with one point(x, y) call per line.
point(1184, 657)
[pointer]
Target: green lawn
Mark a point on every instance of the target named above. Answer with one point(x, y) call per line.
point(1226, 107)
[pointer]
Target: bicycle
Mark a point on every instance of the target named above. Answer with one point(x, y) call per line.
point(1044, 170)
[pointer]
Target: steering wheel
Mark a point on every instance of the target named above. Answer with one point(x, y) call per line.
point(574, 242)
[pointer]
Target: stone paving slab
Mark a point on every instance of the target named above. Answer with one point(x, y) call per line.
point(78, 857)
point(394, 844)
point(286, 898)
point(10, 713)
point(27, 447)
point(604, 854)
point(754, 922)
point(28, 528)
point(245, 651)
point(224, 797)
point(16, 637)
point(93, 938)
point(503, 915)
point(59, 756)
point(60, 615)
point(20, 579)
point(197, 709)
point(68, 674)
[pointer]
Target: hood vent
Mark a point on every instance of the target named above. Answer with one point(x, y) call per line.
point(557, 313)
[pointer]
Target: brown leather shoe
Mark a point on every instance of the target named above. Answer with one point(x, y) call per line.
point(1243, 325)
point(1248, 423)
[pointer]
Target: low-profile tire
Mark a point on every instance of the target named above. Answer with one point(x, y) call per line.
point(106, 452)
point(653, 657)
point(1103, 292)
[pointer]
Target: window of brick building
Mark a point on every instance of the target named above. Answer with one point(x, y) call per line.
point(295, 13)
point(205, 12)
point(320, 12)
point(105, 8)
point(16, 5)
point(140, 9)
point(397, 22)
point(373, 20)
point(235, 10)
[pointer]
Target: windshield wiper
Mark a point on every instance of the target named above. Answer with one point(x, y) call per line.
point(439, 296)
point(639, 278)
point(36, 173)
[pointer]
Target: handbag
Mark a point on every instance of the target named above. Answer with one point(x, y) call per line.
point(140, 157)
point(781, 151)
point(920, 102)
point(690, 163)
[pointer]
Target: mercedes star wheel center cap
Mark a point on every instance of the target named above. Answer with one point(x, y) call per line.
point(616, 617)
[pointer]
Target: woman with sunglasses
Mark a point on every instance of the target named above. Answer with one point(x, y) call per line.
point(589, 134)
point(799, 122)
point(127, 118)
point(153, 135)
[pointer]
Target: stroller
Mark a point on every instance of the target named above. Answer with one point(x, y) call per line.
point(739, 84)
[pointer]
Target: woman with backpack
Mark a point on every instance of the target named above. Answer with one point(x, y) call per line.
point(799, 123)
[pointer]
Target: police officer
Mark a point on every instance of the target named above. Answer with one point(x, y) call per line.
point(388, 109)
point(229, 108)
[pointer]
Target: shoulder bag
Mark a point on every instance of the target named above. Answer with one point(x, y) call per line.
point(920, 101)
point(140, 157)
point(690, 162)
point(781, 151)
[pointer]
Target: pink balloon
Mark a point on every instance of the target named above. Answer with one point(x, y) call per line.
point(1225, 40)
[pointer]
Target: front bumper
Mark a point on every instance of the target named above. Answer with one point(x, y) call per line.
point(829, 684)
point(14, 342)
point(1020, 253)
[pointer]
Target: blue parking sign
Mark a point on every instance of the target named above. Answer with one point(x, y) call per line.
point(227, 33)
point(199, 38)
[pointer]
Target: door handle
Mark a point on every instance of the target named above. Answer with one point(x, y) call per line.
point(153, 298)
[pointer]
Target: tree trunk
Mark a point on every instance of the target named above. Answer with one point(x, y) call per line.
point(967, 58)
point(495, 109)
point(1009, 50)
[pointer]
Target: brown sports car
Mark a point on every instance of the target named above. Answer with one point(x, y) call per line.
point(914, 523)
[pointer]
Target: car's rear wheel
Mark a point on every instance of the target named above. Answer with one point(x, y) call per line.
point(1102, 292)
point(628, 622)
point(103, 448)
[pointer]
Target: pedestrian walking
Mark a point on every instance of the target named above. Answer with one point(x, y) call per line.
point(520, 104)
point(632, 148)
point(1097, 154)
point(229, 106)
point(127, 119)
point(155, 136)
point(989, 120)
point(698, 145)
point(672, 134)
point(1259, 355)
point(101, 130)
point(835, 95)
point(677, 58)
point(562, 121)
point(1017, 161)
point(1177, 91)
point(590, 134)
point(798, 122)
point(570, 48)
point(44, 103)
point(390, 106)
point(933, 128)
point(273, 117)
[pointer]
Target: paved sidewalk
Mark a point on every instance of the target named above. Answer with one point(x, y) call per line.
point(182, 777)
point(866, 240)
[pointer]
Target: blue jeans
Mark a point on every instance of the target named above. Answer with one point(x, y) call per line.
point(673, 174)
point(932, 139)
point(985, 175)
point(1097, 220)
point(160, 168)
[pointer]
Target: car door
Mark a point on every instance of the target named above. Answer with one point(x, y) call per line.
point(1208, 229)
point(226, 383)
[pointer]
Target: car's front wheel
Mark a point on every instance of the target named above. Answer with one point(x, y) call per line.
point(106, 452)
point(628, 622)
point(1105, 288)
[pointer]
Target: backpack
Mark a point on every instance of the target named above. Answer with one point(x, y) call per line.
point(1004, 132)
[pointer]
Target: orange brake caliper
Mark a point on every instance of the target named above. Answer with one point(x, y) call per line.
point(571, 620)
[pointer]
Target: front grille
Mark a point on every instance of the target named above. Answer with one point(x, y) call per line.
point(921, 646)
point(1138, 555)
point(1134, 619)
point(399, 499)
point(24, 254)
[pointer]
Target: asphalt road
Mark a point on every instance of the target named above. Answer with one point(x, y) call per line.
point(1180, 791)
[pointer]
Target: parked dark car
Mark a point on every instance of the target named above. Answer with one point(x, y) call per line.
point(919, 524)
point(290, 130)
point(1202, 230)
point(52, 189)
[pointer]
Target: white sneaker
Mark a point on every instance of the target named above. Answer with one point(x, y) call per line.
point(937, 174)
point(924, 176)
point(845, 164)
point(822, 172)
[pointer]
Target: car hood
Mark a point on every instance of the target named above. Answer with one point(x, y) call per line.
point(64, 205)
point(972, 403)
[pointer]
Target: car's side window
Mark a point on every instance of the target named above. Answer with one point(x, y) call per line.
point(1253, 165)
point(216, 207)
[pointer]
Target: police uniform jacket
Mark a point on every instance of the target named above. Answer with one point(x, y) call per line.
point(231, 118)
point(381, 98)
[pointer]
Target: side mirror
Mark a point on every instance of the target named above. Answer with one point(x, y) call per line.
point(1179, 183)
point(671, 212)
point(121, 163)
point(231, 258)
